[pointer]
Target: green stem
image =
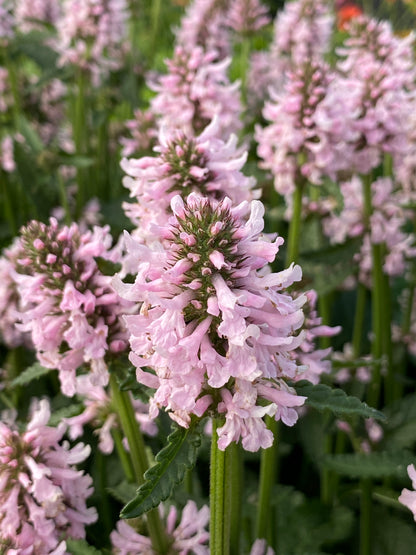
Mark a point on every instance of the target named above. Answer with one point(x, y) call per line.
point(220, 509)
point(359, 320)
point(365, 517)
point(80, 131)
point(122, 402)
point(7, 204)
point(293, 239)
point(235, 472)
point(268, 475)
point(123, 455)
point(155, 16)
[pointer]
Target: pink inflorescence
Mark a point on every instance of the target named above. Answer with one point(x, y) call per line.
point(188, 537)
point(42, 494)
point(196, 89)
point(247, 16)
point(67, 304)
point(204, 164)
point(216, 330)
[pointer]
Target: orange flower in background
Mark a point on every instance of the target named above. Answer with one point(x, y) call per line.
point(346, 11)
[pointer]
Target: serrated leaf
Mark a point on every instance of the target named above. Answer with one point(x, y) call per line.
point(107, 267)
point(323, 397)
point(370, 465)
point(30, 134)
point(81, 547)
point(34, 372)
point(172, 462)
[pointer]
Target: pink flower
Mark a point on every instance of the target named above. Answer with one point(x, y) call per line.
point(188, 537)
point(43, 495)
point(66, 303)
point(204, 164)
point(205, 25)
point(247, 16)
point(99, 412)
point(30, 12)
point(91, 34)
point(196, 89)
point(407, 497)
point(216, 328)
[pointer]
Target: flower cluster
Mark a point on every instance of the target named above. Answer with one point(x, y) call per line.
point(387, 223)
point(67, 304)
point(216, 330)
point(292, 145)
point(29, 13)
point(43, 495)
point(91, 34)
point(196, 89)
point(189, 536)
point(247, 16)
point(204, 164)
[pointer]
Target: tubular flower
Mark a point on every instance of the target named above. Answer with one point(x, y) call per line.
point(302, 32)
point(204, 164)
point(247, 16)
point(387, 224)
point(407, 497)
point(100, 413)
point(67, 304)
point(188, 537)
point(204, 25)
point(297, 144)
point(216, 330)
point(378, 70)
point(43, 495)
point(196, 89)
point(91, 34)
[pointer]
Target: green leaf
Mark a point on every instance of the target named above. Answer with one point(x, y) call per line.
point(31, 136)
point(123, 492)
point(172, 462)
point(75, 160)
point(323, 397)
point(370, 465)
point(107, 267)
point(391, 534)
point(81, 547)
point(65, 412)
point(34, 372)
point(329, 267)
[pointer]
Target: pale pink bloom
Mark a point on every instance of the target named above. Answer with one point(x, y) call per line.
point(6, 97)
point(297, 144)
point(29, 12)
point(195, 90)
point(43, 495)
point(302, 31)
point(143, 133)
point(204, 164)
point(204, 24)
point(387, 224)
point(189, 536)
point(315, 360)
point(214, 320)
point(10, 335)
point(260, 547)
point(7, 21)
point(407, 497)
point(379, 72)
point(66, 303)
point(99, 413)
point(91, 34)
point(247, 16)
point(348, 373)
point(7, 162)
